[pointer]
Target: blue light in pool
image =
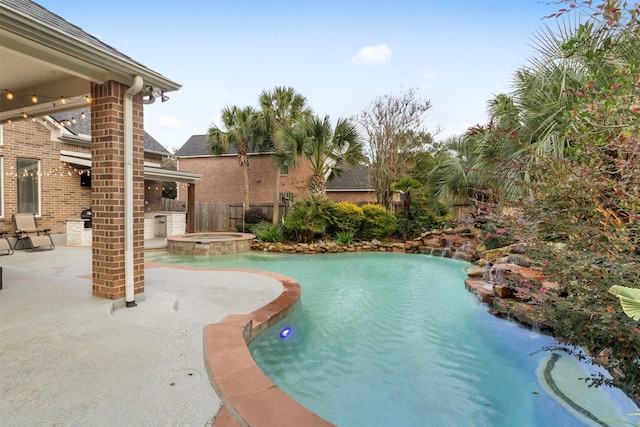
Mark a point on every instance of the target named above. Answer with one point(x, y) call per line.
point(285, 332)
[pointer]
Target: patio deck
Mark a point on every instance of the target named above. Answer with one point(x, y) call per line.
point(68, 358)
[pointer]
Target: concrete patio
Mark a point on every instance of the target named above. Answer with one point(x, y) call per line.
point(68, 358)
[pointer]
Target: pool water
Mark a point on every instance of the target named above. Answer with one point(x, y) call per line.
point(383, 339)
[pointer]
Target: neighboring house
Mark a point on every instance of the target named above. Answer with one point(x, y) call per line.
point(222, 175)
point(354, 184)
point(222, 178)
point(46, 165)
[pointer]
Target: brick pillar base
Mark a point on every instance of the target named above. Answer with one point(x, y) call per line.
point(107, 182)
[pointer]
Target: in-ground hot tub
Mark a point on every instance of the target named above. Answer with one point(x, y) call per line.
point(218, 243)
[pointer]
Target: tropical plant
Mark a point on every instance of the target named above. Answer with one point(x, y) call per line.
point(280, 108)
point(345, 237)
point(323, 146)
point(458, 174)
point(310, 217)
point(268, 232)
point(240, 130)
point(629, 298)
point(579, 211)
point(405, 185)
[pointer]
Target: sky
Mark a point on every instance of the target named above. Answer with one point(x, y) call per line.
point(340, 54)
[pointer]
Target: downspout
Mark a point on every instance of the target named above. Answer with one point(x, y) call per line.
point(128, 190)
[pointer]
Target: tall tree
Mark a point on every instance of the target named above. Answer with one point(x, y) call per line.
point(282, 107)
point(390, 126)
point(323, 146)
point(242, 132)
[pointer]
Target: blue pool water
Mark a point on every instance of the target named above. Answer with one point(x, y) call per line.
point(384, 339)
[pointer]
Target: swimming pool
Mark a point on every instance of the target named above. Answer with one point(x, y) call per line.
point(394, 339)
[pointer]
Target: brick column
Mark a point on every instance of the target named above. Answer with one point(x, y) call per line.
point(191, 208)
point(107, 184)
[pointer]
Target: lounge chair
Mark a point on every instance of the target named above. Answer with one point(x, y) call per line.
point(29, 234)
point(5, 244)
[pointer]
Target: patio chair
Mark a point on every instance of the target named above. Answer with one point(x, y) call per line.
point(29, 234)
point(5, 244)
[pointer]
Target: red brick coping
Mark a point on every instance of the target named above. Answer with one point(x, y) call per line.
point(248, 397)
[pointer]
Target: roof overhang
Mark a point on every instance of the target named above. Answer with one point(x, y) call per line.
point(38, 58)
point(152, 173)
point(170, 175)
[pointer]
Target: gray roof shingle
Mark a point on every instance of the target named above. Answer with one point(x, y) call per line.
point(50, 19)
point(196, 145)
point(83, 127)
point(352, 178)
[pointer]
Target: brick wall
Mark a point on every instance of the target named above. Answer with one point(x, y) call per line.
point(222, 179)
point(61, 195)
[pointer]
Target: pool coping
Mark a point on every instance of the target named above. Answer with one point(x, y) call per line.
point(249, 397)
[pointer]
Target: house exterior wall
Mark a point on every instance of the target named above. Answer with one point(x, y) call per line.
point(222, 180)
point(61, 195)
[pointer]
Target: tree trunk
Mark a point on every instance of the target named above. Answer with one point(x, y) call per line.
point(276, 200)
point(318, 185)
point(245, 179)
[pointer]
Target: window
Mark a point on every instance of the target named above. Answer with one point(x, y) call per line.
point(28, 171)
point(284, 170)
point(286, 197)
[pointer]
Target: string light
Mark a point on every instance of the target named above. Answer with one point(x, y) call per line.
point(40, 99)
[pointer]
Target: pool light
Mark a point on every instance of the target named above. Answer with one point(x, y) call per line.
point(285, 332)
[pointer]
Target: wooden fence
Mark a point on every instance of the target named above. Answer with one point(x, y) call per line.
point(219, 216)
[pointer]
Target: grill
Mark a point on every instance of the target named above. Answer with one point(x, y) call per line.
point(86, 215)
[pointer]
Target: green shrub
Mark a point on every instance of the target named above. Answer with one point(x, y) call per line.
point(268, 232)
point(348, 217)
point(255, 216)
point(310, 217)
point(345, 237)
point(377, 222)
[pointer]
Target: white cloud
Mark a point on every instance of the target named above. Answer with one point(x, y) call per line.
point(373, 55)
point(169, 122)
point(429, 73)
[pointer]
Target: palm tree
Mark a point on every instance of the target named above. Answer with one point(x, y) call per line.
point(405, 185)
point(242, 133)
point(323, 146)
point(282, 107)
